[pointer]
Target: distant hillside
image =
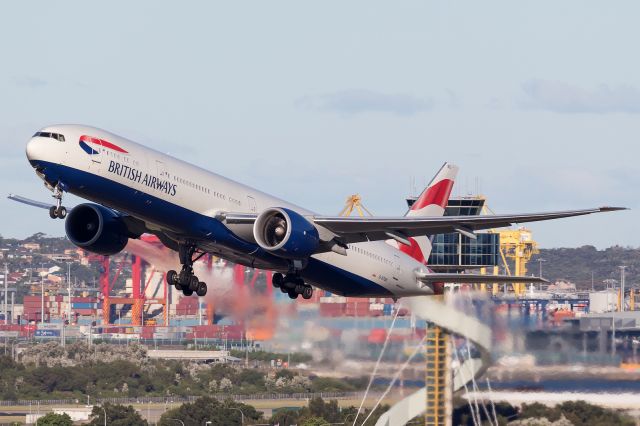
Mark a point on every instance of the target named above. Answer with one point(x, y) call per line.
point(577, 264)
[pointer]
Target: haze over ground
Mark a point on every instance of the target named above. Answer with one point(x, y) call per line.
point(316, 101)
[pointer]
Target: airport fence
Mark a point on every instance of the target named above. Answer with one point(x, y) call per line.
point(185, 399)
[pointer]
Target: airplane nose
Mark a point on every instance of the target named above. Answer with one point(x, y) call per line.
point(32, 149)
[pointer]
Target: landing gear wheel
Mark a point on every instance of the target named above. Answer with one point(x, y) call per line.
point(202, 289)
point(292, 295)
point(178, 287)
point(61, 212)
point(283, 289)
point(299, 288)
point(307, 293)
point(277, 280)
point(184, 278)
point(172, 277)
point(194, 282)
point(187, 292)
point(58, 211)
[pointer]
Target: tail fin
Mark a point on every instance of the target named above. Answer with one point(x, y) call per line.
point(431, 202)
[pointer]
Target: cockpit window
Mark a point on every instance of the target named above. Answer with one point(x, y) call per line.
point(56, 136)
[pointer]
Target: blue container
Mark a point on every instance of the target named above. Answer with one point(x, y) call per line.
point(387, 309)
point(83, 305)
point(47, 333)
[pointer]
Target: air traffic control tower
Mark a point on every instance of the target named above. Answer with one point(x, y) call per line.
point(455, 252)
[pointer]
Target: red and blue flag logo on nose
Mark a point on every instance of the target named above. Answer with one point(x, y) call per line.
point(90, 145)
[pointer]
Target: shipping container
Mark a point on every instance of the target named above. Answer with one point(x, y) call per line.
point(83, 306)
point(78, 299)
point(49, 326)
point(47, 333)
point(332, 309)
point(387, 309)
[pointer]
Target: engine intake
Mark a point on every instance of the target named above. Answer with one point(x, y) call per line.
point(285, 233)
point(97, 229)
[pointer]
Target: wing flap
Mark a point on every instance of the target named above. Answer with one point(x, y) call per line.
point(436, 277)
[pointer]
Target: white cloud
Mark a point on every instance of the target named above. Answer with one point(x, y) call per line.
point(562, 97)
point(357, 101)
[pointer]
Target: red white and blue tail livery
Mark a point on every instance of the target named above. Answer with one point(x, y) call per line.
point(431, 202)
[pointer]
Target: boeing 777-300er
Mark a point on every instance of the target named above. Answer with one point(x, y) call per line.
point(136, 190)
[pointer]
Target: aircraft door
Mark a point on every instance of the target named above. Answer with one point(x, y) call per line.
point(161, 169)
point(93, 146)
point(251, 202)
point(397, 270)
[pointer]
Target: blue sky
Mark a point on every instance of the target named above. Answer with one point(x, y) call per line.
point(538, 102)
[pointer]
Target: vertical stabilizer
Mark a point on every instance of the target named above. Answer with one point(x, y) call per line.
point(431, 202)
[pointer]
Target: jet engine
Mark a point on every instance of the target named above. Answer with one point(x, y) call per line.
point(285, 233)
point(97, 229)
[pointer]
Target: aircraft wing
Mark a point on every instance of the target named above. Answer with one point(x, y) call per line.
point(359, 229)
point(346, 230)
point(134, 226)
point(29, 201)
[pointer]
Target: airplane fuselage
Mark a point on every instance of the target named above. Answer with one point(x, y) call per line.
point(184, 202)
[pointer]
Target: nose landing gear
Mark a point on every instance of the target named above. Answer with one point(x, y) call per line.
point(186, 281)
point(58, 211)
point(293, 285)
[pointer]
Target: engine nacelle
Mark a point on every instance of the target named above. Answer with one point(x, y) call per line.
point(285, 233)
point(97, 229)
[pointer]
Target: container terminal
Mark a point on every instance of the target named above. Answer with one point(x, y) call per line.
point(542, 326)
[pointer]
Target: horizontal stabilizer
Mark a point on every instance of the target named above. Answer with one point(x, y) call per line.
point(436, 277)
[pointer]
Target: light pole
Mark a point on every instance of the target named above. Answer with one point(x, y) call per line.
point(181, 422)
point(6, 306)
point(69, 291)
point(622, 270)
point(42, 294)
point(540, 266)
point(241, 414)
point(105, 415)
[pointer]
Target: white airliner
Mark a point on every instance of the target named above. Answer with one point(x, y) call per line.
point(138, 190)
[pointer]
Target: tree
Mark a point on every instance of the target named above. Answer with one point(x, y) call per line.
point(53, 419)
point(537, 410)
point(327, 410)
point(117, 415)
point(504, 411)
point(314, 421)
point(207, 409)
point(285, 417)
point(582, 413)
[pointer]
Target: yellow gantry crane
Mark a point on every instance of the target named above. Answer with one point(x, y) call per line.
point(517, 246)
point(354, 202)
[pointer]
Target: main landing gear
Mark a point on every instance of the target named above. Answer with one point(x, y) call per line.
point(186, 281)
point(293, 285)
point(58, 211)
